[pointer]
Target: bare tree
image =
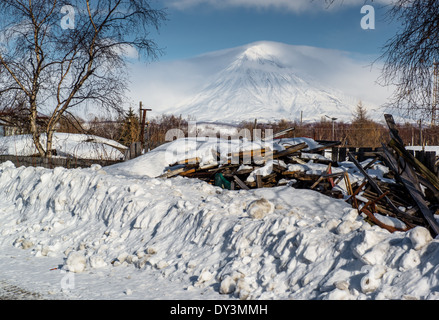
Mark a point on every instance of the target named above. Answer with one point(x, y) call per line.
point(57, 55)
point(411, 58)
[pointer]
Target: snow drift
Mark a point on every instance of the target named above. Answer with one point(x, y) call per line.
point(67, 145)
point(278, 243)
point(157, 161)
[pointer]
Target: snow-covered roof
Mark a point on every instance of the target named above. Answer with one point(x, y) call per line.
point(67, 145)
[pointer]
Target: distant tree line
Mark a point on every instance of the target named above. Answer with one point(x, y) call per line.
point(125, 128)
point(361, 131)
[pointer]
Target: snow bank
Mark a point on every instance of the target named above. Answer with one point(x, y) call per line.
point(67, 145)
point(278, 243)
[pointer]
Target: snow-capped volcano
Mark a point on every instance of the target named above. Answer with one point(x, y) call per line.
point(257, 84)
point(268, 81)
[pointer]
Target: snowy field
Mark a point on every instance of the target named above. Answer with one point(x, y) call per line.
point(67, 145)
point(120, 232)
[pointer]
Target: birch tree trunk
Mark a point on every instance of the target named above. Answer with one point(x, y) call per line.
point(59, 55)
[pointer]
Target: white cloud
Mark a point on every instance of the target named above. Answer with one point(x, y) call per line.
point(129, 51)
point(291, 5)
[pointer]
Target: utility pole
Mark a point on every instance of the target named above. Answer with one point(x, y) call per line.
point(333, 127)
point(142, 112)
point(413, 136)
point(435, 93)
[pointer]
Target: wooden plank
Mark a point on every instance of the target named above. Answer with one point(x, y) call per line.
point(331, 179)
point(353, 198)
point(250, 156)
point(240, 183)
point(396, 199)
point(298, 160)
point(397, 212)
point(270, 178)
point(374, 201)
point(392, 127)
point(370, 164)
point(419, 166)
point(317, 182)
point(187, 172)
point(259, 183)
point(333, 175)
point(271, 155)
point(348, 184)
point(187, 161)
point(290, 150)
point(278, 169)
point(428, 184)
point(247, 153)
point(408, 178)
point(329, 176)
point(203, 175)
point(300, 175)
point(175, 172)
point(374, 219)
point(208, 166)
point(330, 145)
point(279, 134)
point(430, 160)
point(224, 167)
point(398, 145)
point(245, 171)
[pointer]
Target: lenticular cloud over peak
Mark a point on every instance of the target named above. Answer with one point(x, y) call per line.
point(296, 6)
point(269, 81)
point(265, 80)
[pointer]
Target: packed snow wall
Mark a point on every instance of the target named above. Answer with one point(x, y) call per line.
point(275, 243)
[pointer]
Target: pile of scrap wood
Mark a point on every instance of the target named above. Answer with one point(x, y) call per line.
point(405, 197)
point(414, 197)
point(257, 168)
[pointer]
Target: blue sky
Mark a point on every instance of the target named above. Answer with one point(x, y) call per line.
point(200, 26)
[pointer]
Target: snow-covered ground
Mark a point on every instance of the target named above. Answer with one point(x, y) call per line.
point(67, 145)
point(120, 232)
